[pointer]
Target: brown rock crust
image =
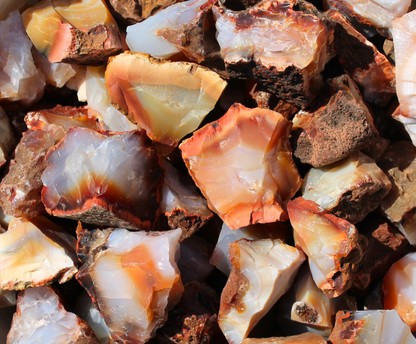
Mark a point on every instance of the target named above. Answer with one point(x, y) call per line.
point(334, 130)
point(304, 338)
point(20, 189)
point(385, 246)
point(189, 223)
point(134, 11)
point(345, 330)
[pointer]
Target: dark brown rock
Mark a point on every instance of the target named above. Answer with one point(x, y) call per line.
point(385, 246)
point(196, 39)
point(335, 130)
point(20, 189)
point(194, 319)
point(363, 62)
point(134, 11)
point(399, 206)
point(377, 148)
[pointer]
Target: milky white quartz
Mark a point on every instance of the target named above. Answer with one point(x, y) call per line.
point(20, 79)
point(142, 37)
point(41, 318)
point(135, 282)
point(34, 253)
point(97, 99)
point(263, 270)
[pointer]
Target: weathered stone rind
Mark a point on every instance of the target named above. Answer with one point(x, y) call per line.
point(20, 189)
point(334, 131)
point(345, 330)
point(189, 223)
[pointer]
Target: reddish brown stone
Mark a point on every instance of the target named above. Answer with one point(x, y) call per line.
point(377, 148)
point(20, 189)
point(385, 246)
point(134, 11)
point(345, 330)
point(335, 130)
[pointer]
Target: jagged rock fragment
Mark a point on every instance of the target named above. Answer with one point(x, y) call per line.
point(7, 297)
point(104, 178)
point(305, 338)
point(134, 11)
point(349, 189)
point(20, 79)
point(181, 203)
point(399, 206)
point(385, 246)
point(82, 32)
point(399, 288)
point(194, 318)
point(34, 253)
point(336, 129)
point(99, 103)
point(377, 13)
point(132, 278)
point(403, 33)
point(279, 46)
point(332, 245)
point(363, 62)
point(7, 139)
point(40, 317)
point(184, 27)
point(263, 270)
point(58, 120)
point(167, 99)
point(245, 181)
point(219, 257)
point(20, 189)
point(378, 326)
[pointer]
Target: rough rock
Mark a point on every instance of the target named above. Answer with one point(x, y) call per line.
point(335, 130)
point(305, 338)
point(20, 189)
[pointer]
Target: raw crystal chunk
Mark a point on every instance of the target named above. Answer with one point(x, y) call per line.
point(34, 253)
point(399, 206)
point(404, 30)
point(41, 318)
point(379, 13)
point(350, 188)
point(186, 27)
point(104, 178)
point(399, 289)
point(7, 140)
point(99, 103)
point(305, 338)
point(227, 236)
point(245, 180)
point(58, 120)
point(283, 48)
point(20, 189)
point(20, 79)
point(167, 99)
point(371, 327)
point(335, 129)
point(363, 62)
point(181, 203)
point(73, 31)
point(132, 278)
point(263, 270)
point(134, 11)
point(332, 245)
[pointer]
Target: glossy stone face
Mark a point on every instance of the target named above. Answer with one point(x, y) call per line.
point(134, 281)
point(115, 175)
point(167, 99)
point(40, 317)
point(34, 253)
point(243, 165)
point(263, 270)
